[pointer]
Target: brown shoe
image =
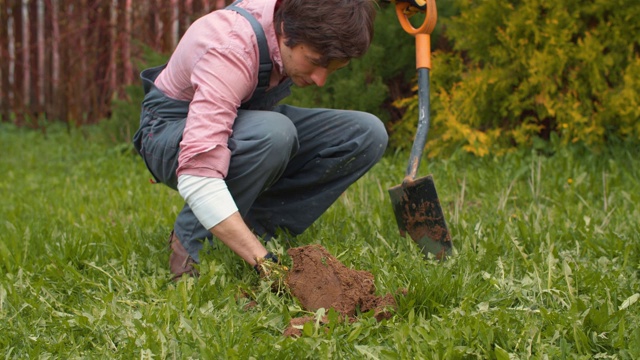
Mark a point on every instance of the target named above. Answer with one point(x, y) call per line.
point(180, 261)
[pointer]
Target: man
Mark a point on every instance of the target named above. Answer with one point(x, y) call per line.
point(210, 129)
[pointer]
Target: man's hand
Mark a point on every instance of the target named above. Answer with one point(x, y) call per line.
point(234, 233)
point(268, 264)
point(270, 269)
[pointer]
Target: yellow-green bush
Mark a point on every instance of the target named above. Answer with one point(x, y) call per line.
point(525, 69)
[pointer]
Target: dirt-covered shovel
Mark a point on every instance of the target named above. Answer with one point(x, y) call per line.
point(415, 201)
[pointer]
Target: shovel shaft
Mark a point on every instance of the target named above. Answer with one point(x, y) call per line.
point(424, 108)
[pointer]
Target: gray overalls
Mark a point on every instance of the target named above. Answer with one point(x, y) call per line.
point(288, 164)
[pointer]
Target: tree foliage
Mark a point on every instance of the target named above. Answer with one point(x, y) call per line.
point(519, 70)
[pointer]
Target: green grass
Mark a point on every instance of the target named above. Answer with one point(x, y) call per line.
point(546, 262)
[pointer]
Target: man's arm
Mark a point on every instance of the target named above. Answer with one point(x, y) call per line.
point(214, 207)
point(234, 233)
point(220, 66)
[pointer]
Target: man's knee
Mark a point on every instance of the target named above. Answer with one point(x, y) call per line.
point(280, 142)
point(268, 135)
point(281, 134)
point(374, 136)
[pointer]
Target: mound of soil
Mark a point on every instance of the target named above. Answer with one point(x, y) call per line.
point(318, 280)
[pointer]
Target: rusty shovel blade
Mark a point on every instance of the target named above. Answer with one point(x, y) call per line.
point(418, 213)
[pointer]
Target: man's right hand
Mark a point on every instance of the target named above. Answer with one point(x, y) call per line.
point(234, 233)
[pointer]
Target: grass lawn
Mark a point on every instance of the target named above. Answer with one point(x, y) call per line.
point(546, 263)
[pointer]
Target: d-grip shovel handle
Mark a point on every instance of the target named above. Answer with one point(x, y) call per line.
point(404, 10)
point(423, 64)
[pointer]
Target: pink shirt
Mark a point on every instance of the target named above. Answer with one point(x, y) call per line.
point(215, 67)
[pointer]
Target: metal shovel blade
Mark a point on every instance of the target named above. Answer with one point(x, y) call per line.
point(418, 212)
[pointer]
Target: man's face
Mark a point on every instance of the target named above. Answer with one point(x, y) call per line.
point(303, 65)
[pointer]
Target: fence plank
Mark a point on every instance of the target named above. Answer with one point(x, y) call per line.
point(41, 57)
point(53, 108)
point(25, 53)
point(126, 43)
point(18, 60)
point(5, 85)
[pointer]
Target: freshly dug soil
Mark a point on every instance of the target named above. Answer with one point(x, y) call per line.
point(319, 280)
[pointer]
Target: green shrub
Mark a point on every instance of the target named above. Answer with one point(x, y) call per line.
point(520, 70)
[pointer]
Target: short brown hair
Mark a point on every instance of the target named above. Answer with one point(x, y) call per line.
point(337, 29)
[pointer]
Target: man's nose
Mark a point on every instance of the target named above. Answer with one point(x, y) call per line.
point(319, 76)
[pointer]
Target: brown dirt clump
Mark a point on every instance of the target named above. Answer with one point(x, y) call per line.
point(294, 326)
point(319, 280)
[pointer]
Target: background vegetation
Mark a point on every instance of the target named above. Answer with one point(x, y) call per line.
point(526, 69)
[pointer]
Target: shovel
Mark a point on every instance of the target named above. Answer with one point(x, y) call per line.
point(415, 201)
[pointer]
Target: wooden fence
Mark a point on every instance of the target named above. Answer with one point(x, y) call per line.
point(66, 59)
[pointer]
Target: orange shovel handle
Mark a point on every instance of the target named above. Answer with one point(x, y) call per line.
point(422, 33)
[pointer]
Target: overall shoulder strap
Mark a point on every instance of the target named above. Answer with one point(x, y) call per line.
point(264, 74)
